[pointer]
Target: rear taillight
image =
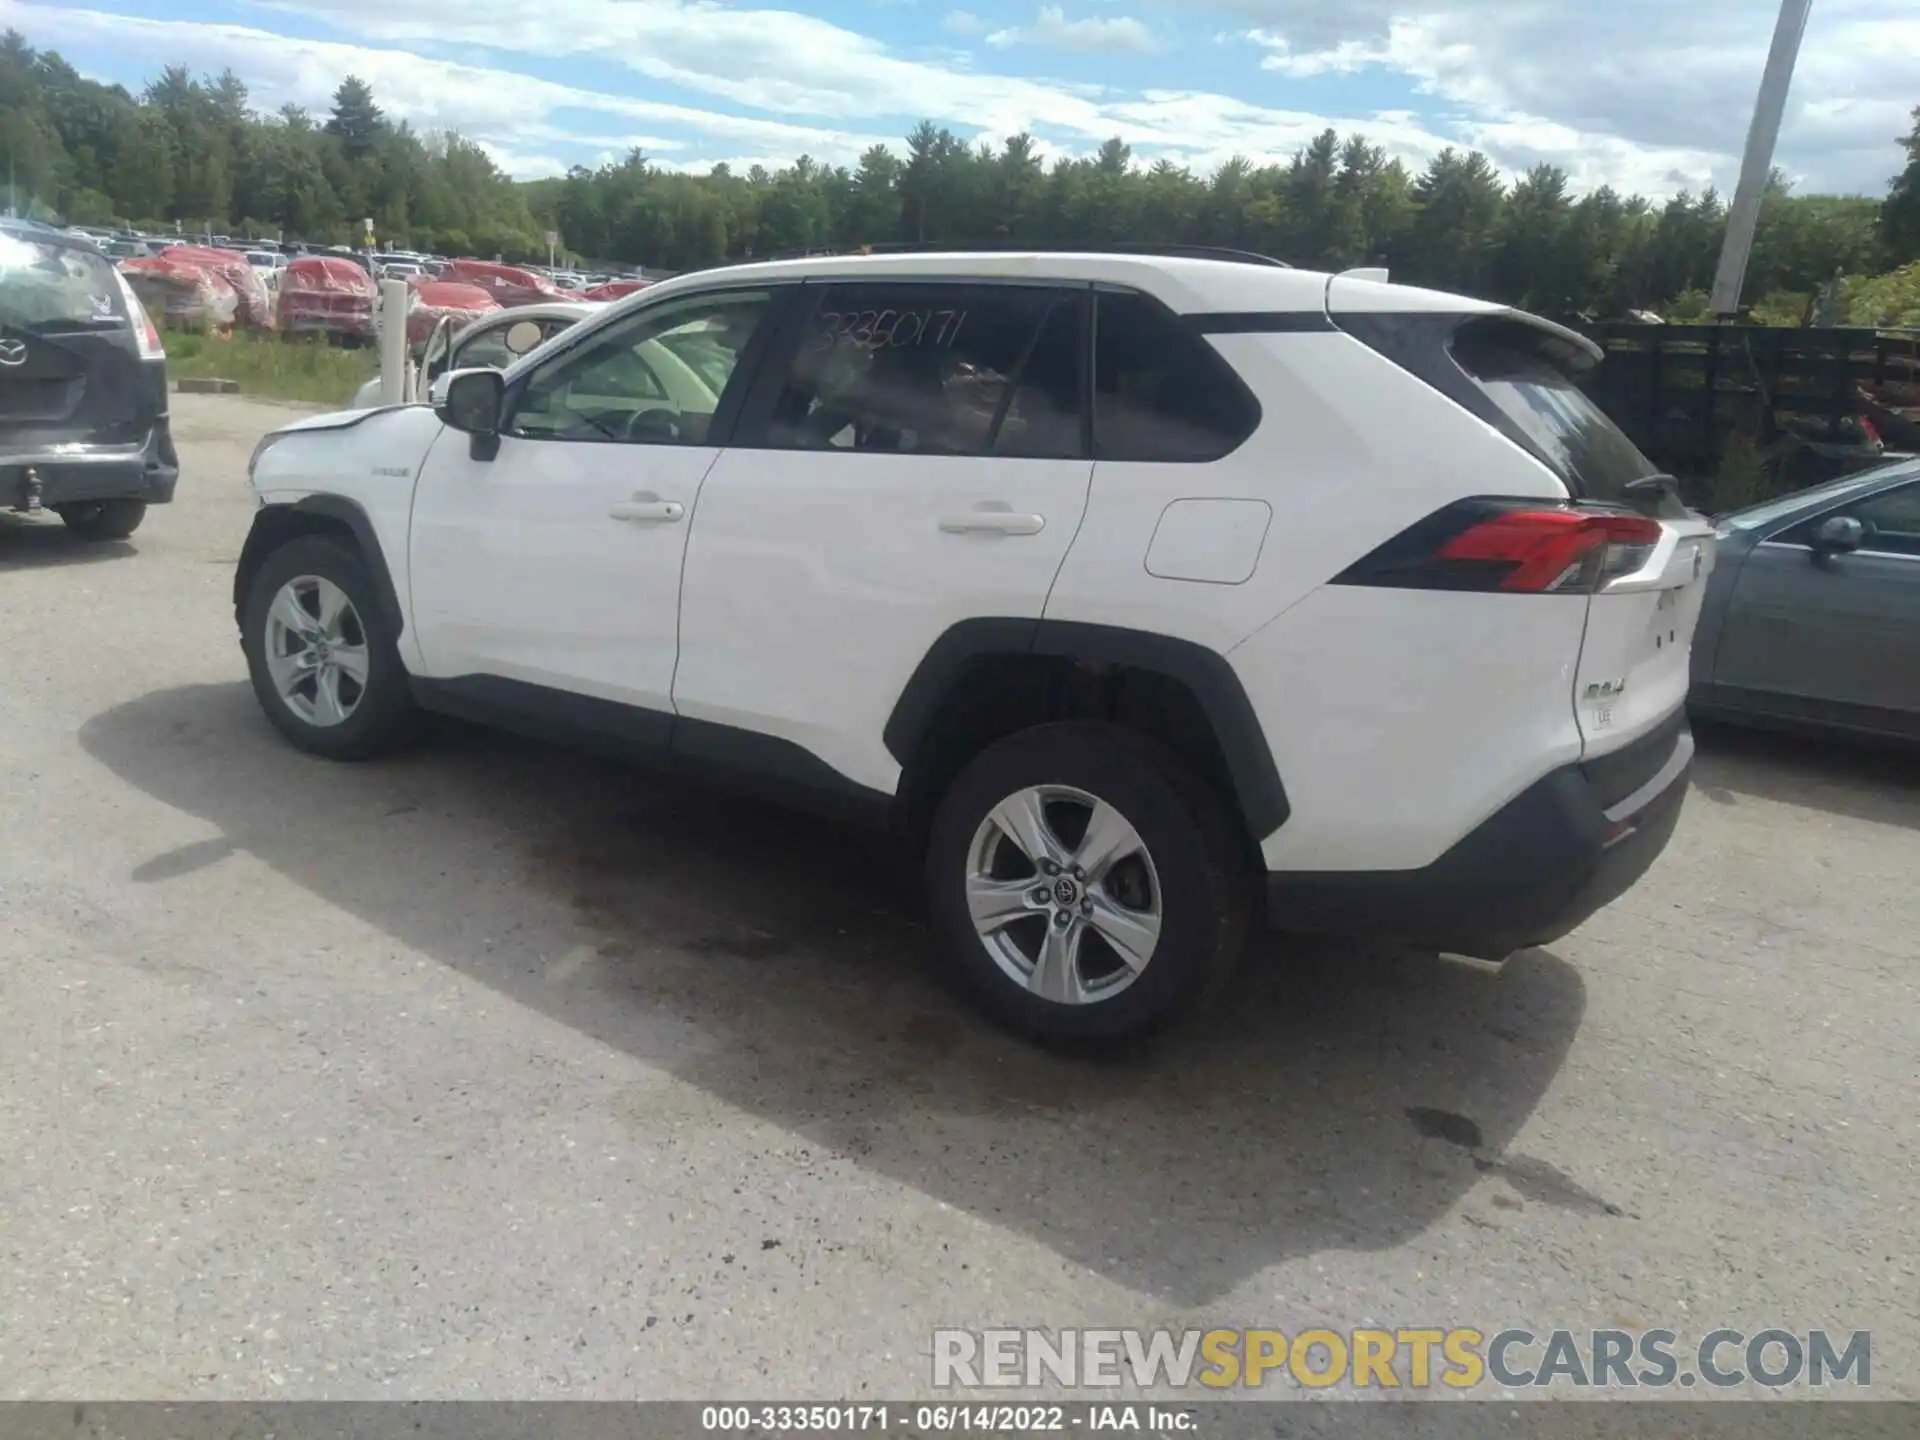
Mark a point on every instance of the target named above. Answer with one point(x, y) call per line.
point(146, 335)
point(1521, 546)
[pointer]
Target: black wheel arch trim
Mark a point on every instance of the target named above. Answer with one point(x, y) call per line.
point(267, 531)
point(1259, 793)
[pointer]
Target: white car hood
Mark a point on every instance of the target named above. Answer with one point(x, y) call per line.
point(331, 420)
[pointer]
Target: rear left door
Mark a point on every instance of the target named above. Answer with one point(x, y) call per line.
point(914, 454)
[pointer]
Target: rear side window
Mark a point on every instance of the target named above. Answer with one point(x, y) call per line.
point(1516, 371)
point(48, 288)
point(932, 369)
point(1162, 392)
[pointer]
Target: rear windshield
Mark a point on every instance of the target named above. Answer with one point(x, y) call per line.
point(49, 287)
point(1540, 398)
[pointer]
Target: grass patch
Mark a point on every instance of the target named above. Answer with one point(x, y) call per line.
point(265, 364)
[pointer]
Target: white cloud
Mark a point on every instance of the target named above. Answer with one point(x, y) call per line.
point(1341, 59)
point(851, 87)
point(1111, 35)
point(963, 23)
point(1657, 78)
point(505, 112)
point(1637, 93)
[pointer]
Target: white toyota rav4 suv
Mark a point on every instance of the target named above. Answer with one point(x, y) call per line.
point(1135, 590)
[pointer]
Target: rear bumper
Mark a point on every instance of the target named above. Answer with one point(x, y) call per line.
point(146, 472)
point(1531, 872)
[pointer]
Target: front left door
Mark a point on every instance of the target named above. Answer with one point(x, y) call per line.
point(1832, 630)
point(555, 564)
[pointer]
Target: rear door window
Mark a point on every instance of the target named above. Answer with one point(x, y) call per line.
point(1539, 398)
point(927, 368)
point(1161, 392)
point(48, 288)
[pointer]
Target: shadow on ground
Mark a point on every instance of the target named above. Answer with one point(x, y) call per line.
point(43, 542)
point(1341, 1100)
point(1863, 779)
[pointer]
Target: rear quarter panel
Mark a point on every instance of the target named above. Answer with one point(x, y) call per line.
point(1350, 450)
point(1398, 719)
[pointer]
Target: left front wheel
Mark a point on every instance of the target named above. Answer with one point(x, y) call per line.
point(322, 657)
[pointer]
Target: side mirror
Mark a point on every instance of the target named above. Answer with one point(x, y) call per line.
point(472, 404)
point(1838, 534)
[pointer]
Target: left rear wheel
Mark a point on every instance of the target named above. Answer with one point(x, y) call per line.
point(322, 655)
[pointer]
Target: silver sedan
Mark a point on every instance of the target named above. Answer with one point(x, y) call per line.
point(1812, 614)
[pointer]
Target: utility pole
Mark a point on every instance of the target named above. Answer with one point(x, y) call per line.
point(1757, 164)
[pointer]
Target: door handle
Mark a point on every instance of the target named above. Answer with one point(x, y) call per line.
point(640, 510)
point(992, 522)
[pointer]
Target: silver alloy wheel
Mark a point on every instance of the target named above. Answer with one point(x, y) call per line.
point(1063, 894)
point(316, 650)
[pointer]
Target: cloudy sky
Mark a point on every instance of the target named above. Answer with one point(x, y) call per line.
point(1649, 95)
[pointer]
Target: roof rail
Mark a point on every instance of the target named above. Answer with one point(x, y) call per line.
point(929, 247)
point(1107, 247)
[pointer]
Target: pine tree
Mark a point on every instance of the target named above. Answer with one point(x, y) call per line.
point(356, 122)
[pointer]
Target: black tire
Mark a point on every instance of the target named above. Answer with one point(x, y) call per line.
point(384, 716)
point(1203, 890)
point(103, 519)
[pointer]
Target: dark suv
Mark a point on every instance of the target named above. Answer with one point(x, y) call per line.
point(83, 387)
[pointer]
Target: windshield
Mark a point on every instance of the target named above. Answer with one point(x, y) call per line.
point(1540, 398)
point(50, 287)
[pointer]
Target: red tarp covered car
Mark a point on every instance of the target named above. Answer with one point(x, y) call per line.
point(435, 300)
point(256, 305)
point(508, 284)
point(328, 295)
point(181, 293)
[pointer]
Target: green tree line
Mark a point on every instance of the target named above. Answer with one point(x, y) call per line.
point(192, 151)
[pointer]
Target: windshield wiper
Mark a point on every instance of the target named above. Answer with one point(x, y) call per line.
point(1659, 495)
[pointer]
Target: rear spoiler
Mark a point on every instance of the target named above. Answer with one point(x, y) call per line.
point(1368, 296)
